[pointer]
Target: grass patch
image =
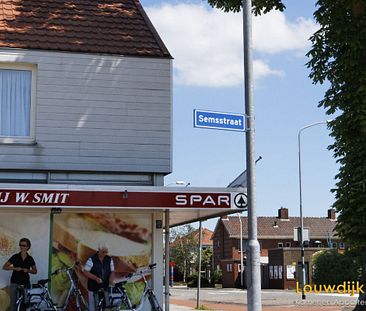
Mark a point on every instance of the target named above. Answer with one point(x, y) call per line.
point(203, 307)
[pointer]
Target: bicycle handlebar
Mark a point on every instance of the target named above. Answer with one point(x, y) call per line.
point(57, 271)
point(139, 273)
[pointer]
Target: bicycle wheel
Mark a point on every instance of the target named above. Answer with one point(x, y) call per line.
point(21, 306)
point(154, 302)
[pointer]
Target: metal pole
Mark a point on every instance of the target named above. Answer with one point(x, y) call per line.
point(199, 264)
point(167, 260)
point(303, 272)
point(241, 254)
point(254, 284)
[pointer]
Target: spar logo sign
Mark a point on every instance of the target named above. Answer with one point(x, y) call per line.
point(203, 200)
point(213, 200)
point(241, 200)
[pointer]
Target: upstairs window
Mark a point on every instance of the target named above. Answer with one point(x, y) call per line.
point(244, 245)
point(16, 104)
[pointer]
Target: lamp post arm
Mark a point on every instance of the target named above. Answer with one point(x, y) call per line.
point(303, 272)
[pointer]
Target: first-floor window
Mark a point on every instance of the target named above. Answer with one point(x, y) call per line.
point(15, 102)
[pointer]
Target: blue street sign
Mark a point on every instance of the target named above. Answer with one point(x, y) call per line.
point(219, 120)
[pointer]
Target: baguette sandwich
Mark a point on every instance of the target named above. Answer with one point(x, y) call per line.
point(8, 245)
point(4, 299)
point(79, 236)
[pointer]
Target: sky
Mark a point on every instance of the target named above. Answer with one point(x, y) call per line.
point(207, 47)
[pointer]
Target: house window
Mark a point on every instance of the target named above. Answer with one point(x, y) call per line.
point(318, 244)
point(16, 103)
point(229, 267)
point(334, 245)
point(288, 244)
point(341, 245)
point(280, 245)
point(244, 244)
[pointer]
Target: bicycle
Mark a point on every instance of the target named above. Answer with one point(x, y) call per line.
point(74, 290)
point(38, 298)
point(113, 299)
point(35, 298)
point(120, 294)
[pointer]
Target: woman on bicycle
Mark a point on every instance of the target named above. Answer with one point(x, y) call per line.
point(21, 264)
point(99, 269)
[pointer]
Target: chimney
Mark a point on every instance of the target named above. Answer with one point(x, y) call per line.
point(331, 214)
point(283, 213)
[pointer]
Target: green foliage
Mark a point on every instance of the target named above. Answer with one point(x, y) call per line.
point(217, 277)
point(192, 281)
point(334, 268)
point(338, 55)
point(183, 249)
point(206, 259)
point(259, 6)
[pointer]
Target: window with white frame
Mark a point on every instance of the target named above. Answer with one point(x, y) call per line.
point(16, 103)
point(229, 267)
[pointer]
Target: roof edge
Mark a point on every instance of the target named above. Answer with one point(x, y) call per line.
point(154, 32)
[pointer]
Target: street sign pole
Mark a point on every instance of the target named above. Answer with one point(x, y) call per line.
point(254, 280)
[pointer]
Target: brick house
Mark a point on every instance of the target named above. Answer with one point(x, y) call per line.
point(276, 239)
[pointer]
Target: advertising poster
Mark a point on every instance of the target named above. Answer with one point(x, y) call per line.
point(14, 226)
point(76, 237)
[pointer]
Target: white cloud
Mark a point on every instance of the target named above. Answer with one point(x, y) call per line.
point(272, 33)
point(207, 44)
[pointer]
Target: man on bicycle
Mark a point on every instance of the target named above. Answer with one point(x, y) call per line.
point(99, 269)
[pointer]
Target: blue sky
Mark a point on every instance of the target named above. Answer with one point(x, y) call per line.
point(207, 48)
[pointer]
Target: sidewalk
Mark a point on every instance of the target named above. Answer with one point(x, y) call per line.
point(188, 305)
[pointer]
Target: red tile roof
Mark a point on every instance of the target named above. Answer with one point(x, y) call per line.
point(91, 26)
point(206, 237)
point(319, 227)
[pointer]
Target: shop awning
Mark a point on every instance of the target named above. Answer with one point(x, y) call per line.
point(185, 204)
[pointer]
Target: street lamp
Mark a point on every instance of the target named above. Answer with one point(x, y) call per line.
point(241, 253)
point(179, 183)
point(303, 272)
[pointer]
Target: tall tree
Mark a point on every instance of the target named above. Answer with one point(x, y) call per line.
point(183, 249)
point(259, 6)
point(338, 56)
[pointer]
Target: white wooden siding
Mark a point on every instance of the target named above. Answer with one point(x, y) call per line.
point(96, 113)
